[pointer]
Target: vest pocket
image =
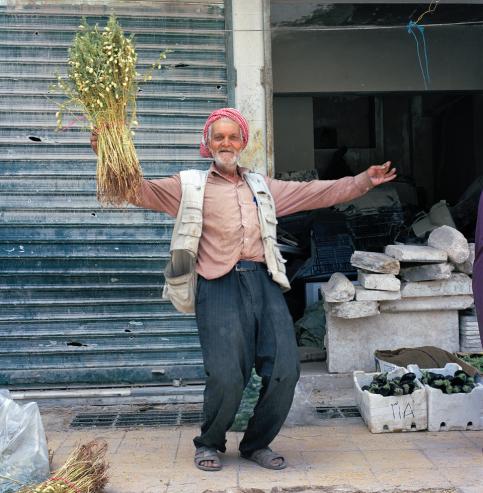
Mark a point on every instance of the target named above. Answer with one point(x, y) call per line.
point(191, 225)
point(181, 292)
point(191, 221)
point(267, 208)
point(180, 277)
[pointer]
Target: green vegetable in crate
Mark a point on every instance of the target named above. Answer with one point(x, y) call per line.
point(408, 377)
point(475, 360)
point(397, 386)
point(460, 382)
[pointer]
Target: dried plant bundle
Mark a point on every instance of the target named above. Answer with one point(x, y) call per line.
point(85, 471)
point(102, 83)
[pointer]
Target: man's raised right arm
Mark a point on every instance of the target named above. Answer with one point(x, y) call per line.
point(162, 195)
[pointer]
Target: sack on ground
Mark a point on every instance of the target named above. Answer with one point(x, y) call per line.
point(24, 456)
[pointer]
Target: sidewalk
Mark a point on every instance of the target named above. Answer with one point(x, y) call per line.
point(338, 452)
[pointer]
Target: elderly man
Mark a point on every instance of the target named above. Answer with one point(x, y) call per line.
point(242, 317)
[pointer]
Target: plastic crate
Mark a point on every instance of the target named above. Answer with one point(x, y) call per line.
point(389, 414)
point(447, 412)
point(328, 257)
point(384, 366)
point(328, 228)
point(374, 229)
point(332, 256)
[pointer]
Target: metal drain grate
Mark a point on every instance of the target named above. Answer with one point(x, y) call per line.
point(126, 420)
point(338, 412)
point(178, 417)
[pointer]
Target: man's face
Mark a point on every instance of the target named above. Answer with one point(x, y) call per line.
point(225, 142)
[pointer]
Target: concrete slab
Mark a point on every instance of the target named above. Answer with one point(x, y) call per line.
point(428, 272)
point(382, 282)
point(363, 294)
point(338, 289)
point(416, 253)
point(354, 309)
point(429, 303)
point(351, 343)
point(467, 266)
point(457, 284)
point(452, 242)
point(375, 262)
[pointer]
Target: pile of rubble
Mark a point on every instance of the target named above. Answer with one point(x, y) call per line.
point(406, 278)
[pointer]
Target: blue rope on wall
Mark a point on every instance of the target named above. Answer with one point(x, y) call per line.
point(415, 29)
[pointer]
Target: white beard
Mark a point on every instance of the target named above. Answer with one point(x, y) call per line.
point(222, 160)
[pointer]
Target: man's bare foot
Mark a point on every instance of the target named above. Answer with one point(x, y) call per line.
point(206, 459)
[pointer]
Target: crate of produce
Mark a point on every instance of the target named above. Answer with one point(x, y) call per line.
point(453, 405)
point(389, 413)
point(475, 359)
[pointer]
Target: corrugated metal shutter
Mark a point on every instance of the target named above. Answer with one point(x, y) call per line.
point(80, 285)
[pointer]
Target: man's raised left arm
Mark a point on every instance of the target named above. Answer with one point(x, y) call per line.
point(294, 196)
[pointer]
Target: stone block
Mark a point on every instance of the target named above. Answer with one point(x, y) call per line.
point(428, 303)
point(467, 266)
point(452, 242)
point(382, 282)
point(375, 262)
point(428, 272)
point(457, 284)
point(363, 294)
point(416, 253)
point(338, 289)
point(351, 343)
point(354, 309)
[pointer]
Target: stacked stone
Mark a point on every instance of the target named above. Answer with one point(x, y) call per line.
point(435, 276)
point(470, 341)
point(378, 281)
point(406, 278)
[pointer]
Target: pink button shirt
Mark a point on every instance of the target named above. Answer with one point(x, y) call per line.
point(231, 231)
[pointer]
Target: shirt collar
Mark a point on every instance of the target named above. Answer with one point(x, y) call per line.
point(241, 170)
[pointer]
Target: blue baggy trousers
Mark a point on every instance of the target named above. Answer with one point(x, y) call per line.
point(243, 321)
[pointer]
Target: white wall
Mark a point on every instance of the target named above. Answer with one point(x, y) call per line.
point(249, 61)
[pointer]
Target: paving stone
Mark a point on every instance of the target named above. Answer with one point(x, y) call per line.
point(428, 272)
point(382, 282)
point(375, 262)
point(354, 309)
point(338, 289)
point(457, 284)
point(363, 294)
point(467, 266)
point(452, 242)
point(416, 253)
point(428, 303)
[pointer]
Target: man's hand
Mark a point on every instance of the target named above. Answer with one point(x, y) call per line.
point(94, 141)
point(381, 174)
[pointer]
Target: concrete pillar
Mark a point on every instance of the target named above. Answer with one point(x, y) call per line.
point(253, 90)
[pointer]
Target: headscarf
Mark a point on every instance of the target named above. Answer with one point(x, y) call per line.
point(230, 113)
